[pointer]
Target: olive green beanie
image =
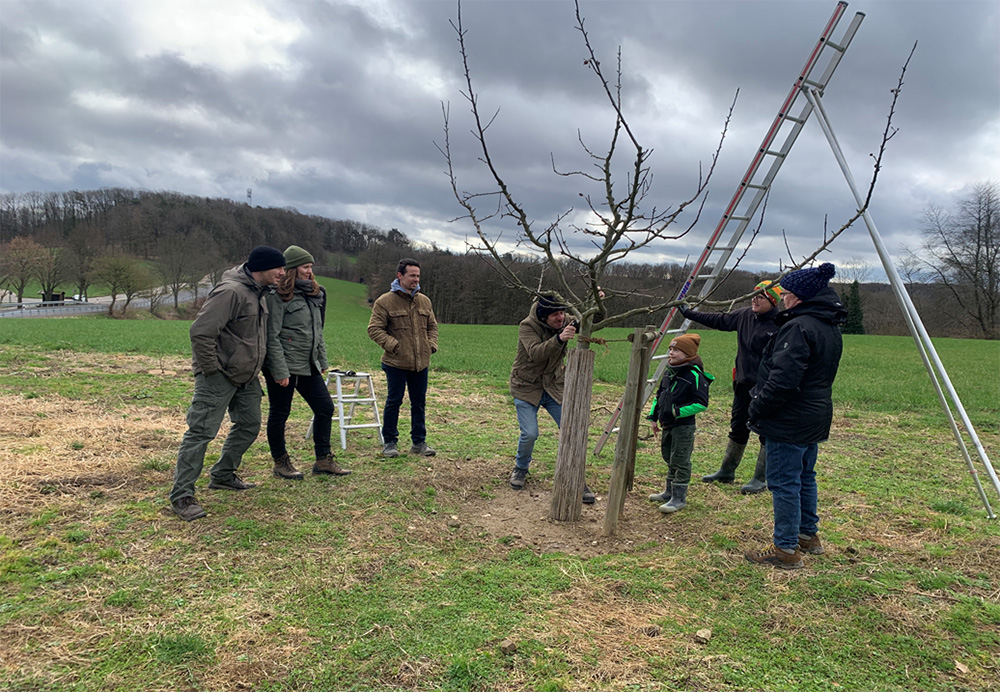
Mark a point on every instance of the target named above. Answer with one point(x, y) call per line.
point(296, 257)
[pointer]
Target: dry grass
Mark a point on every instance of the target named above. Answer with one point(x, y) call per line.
point(57, 452)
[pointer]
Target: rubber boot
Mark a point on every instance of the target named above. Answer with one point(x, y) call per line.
point(758, 483)
point(731, 459)
point(678, 500)
point(665, 495)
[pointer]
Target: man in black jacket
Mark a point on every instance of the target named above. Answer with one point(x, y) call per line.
point(792, 409)
point(754, 327)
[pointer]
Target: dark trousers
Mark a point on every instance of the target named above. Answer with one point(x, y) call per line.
point(398, 382)
point(214, 395)
point(738, 430)
point(313, 389)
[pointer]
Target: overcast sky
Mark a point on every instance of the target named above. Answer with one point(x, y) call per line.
point(334, 107)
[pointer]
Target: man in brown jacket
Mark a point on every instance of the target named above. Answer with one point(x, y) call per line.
point(228, 343)
point(403, 324)
point(536, 379)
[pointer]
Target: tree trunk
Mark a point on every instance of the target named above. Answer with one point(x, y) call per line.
point(571, 459)
point(623, 470)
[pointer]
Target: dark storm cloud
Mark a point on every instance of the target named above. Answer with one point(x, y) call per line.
point(340, 110)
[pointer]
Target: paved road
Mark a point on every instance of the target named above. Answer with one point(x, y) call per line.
point(35, 308)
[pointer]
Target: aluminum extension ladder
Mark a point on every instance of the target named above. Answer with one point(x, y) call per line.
point(754, 179)
point(359, 389)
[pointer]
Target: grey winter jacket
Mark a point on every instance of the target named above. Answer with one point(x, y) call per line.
point(229, 335)
point(295, 344)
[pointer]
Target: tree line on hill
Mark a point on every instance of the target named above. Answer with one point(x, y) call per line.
point(157, 244)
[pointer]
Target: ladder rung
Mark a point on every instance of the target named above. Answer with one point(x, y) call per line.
point(738, 218)
point(836, 46)
point(706, 276)
point(724, 248)
point(361, 425)
point(818, 85)
point(754, 186)
point(659, 357)
point(772, 152)
point(798, 121)
point(349, 400)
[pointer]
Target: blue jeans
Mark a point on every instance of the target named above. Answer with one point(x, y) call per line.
point(791, 478)
point(527, 420)
point(397, 382)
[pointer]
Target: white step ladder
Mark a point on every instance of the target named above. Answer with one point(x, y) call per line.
point(351, 389)
point(740, 211)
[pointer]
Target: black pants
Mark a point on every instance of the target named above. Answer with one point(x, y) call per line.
point(397, 382)
point(313, 390)
point(738, 430)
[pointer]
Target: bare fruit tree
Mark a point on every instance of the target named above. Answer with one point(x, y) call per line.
point(620, 221)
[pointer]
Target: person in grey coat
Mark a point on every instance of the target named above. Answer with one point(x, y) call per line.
point(296, 361)
point(228, 343)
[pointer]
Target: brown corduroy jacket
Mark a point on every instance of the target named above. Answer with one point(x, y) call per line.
point(405, 327)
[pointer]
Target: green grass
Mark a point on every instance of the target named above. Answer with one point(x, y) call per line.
point(878, 373)
point(367, 583)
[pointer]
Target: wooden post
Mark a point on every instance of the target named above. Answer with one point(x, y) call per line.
point(623, 470)
point(571, 459)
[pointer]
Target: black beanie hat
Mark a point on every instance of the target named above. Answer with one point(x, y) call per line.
point(546, 306)
point(806, 283)
point(264, 257)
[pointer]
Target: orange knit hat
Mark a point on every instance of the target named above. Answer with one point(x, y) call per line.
point(687, 344)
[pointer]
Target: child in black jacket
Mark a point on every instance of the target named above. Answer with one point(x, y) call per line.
point(683, 392)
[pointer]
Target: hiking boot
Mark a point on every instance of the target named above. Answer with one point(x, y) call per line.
point(730, 460)
point(422, 450)
point(588, 495)
point(329, 465)
point(283, 469)
point(665, 495)
point(811, 544)
point(678, 499)
point(389, 450)
point(187, 508)
point(776, 557)
point(758, 483)
point(234, 483)
point(517, 477)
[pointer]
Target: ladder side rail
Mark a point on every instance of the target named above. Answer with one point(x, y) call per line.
point(755, 162)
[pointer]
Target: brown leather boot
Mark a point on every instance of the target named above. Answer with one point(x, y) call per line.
point(283, 469)
point(329, 465)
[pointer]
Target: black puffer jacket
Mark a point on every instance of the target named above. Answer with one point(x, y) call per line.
point(753, 331)
point(793, 398)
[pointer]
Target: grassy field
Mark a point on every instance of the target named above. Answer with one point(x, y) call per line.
point(416, 574)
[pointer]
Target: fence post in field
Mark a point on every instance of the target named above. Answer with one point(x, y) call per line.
point(570, 473)
point(623, 469)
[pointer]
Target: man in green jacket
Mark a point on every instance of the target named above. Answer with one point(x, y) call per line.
point(228, 344)
point(403, 324)
point(537, 377)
